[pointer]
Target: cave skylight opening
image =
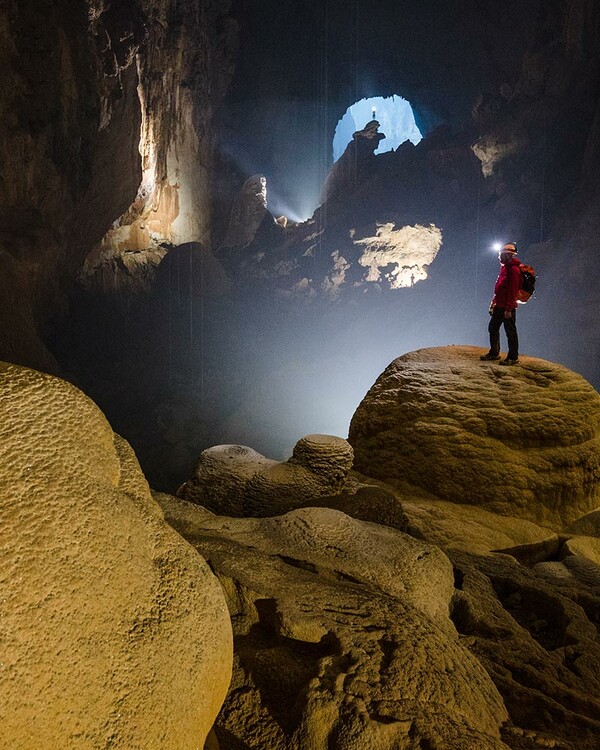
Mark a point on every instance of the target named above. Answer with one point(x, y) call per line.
point(396, 120)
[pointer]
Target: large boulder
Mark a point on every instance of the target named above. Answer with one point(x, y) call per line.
point(520, 441)
point(342, 636)
point(114, 631)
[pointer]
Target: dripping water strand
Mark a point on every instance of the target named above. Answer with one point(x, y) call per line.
point(170, 323)
point(477, 238)
point(543, 195)
point(356, 32)
point(191, 315)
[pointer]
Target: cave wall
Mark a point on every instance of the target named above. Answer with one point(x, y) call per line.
point(183, 70)
point(69, 131)
point(108, 114)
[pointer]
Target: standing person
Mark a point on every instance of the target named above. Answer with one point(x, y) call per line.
point(504, 306)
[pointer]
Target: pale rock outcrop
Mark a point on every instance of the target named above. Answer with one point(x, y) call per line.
point(114, 631)
point(508, 139)
point(342, 636)
point(408, 250)
point(238, 481)
point(520, 441)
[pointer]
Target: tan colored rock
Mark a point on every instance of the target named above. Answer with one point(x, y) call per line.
point(581, 556)
point(586, 546)
point(588, 525)
point(476, 530)
point(520, 441)
point(342, 636)
point(236, 480)
point(114, 631)
point(536, 633)
point(450, 526)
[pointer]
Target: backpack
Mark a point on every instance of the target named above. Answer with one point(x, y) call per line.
point(527, 283)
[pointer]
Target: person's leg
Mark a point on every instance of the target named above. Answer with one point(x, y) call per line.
point(510, 326)
point(494, 330)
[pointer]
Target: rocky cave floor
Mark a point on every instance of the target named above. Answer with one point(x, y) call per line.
point(375, 601)
point(383, 616)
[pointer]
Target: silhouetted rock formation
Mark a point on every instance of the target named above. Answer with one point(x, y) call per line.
point(355, 165)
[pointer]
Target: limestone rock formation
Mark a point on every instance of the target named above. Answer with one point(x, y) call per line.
point(450, 526)
point(183, 70)
point(114, 631)
point(355, 164)
point(238, 481)
point(247, 213)
point(520, 441)
point(587, 525)
point(342, 636)
point(536, 635)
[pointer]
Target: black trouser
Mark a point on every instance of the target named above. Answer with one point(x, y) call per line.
point(510, 326)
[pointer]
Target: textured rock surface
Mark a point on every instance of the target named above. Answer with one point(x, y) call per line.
point(537, 636)
point(476, 530)
point(106, 106)
point(520, 441)
point(114, 631)
point(447, 525)
point(184, 67)
point(236, 480)
point(247, 213)
point(588, 525)
point(342, 636)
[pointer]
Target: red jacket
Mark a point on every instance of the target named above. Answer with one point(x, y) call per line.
point(508, 285)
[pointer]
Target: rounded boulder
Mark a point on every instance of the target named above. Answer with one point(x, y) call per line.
point(114, 631)
point(521, 441)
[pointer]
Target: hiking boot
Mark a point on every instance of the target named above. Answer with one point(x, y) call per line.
point(490, 357)
point(509, 362)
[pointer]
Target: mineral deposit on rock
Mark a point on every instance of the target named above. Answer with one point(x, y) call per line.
point(236, 480)
point(114, 632)
point(343, 636)
point(521, 441)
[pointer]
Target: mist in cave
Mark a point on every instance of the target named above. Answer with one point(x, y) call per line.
point(199, 319)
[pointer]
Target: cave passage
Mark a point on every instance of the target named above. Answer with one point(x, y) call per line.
point(395, 117)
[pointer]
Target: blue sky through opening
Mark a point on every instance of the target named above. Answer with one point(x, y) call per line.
point(394, 115)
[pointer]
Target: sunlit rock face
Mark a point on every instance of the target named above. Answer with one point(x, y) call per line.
point(183, 69)
point(409, 250)
point(342, 636)
point(238, 481)
point(520, 441)
point(68, 153)
point(114, 631)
